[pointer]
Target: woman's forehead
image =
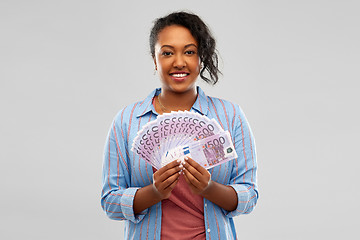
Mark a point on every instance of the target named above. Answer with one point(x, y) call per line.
point(175, 35)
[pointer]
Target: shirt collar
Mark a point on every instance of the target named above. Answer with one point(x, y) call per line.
point(200, 105)
point(146, 105)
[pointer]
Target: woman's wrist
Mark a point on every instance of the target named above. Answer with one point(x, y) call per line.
point(145, 197)
point(156, 194)
point(208, 189)
point(222, 195)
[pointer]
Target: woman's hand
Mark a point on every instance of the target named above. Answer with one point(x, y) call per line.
point(199, 181)
point(165, 179)
point(197, 177)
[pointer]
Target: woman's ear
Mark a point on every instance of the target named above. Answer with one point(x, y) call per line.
point(155, 63)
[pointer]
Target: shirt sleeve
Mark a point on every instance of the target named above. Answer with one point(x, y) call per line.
point(244, 173)
point(117, 197)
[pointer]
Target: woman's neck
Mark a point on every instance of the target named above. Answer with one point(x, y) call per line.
point(171, 101)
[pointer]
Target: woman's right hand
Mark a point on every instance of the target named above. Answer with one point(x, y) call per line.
point(165, 179)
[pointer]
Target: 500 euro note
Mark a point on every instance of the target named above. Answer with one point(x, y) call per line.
point(208, 152)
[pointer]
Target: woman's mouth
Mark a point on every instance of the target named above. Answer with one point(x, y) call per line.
point(179, 76)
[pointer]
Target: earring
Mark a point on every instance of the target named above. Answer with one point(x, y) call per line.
point(155, 70)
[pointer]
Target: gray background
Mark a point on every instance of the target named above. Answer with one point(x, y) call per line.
point(67, 67)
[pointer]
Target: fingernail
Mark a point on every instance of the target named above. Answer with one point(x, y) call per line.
point(186, 158)
point(178, 160)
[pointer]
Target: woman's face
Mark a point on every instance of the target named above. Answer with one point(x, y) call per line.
point(176, 59)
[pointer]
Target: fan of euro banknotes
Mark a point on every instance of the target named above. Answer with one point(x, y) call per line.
point(175, 135)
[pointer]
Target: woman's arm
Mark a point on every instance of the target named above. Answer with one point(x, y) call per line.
point(164, 181)
point(117, 195)
point(119, 200)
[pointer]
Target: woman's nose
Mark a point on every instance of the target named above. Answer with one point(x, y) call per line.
point(179, 61)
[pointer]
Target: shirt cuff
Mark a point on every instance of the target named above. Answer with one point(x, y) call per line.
point(127, 203)
point(243, 196)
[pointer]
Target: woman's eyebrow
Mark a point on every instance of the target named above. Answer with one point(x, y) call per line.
point(189, 45)
point(186, 46)
point(169, 46)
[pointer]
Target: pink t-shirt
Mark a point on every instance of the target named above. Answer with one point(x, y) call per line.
point(183, 214)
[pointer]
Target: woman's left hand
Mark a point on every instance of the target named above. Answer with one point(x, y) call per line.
point(197, 177)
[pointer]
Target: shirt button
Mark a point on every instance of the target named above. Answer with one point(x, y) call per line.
point(205, 204)
point(208, 230)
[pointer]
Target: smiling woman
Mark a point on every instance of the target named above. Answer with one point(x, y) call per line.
point(178, 64)
point(179, 200)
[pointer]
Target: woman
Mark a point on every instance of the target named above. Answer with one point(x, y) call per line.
point(179, 201)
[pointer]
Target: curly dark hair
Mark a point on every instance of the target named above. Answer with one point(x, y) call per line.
point(202, 34)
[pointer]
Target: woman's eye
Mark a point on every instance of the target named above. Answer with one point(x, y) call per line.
point(166, 53)
point(190, 52)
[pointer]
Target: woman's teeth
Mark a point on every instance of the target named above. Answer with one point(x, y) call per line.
point(179, 75)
